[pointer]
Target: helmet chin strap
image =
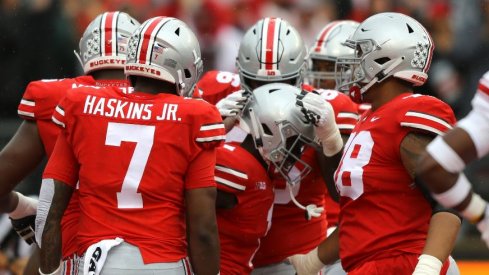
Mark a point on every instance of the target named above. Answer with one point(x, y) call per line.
point(312, 211)
point(383, 73)
point(79, 58)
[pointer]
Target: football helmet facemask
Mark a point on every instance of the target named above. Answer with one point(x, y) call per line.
point(386, 44)
point(327, 48)
point(278, 129)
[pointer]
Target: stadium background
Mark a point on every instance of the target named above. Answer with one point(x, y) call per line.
point(37, 39)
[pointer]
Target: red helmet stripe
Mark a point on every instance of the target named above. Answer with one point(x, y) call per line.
point(269, 48)
point(108, 31)
point(148, 34)
point(323, 35)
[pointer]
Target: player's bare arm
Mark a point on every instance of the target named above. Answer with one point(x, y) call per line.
point(328, 165)
point(412, 146)
point(433, 173)
point(19, 157)
point(444, 226)
point(326, 253)
point(51, 237)
point(203, 239)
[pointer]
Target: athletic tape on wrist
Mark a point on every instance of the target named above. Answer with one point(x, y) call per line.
point(476, 208)
point(56, 272)
point(428, 264)
point(456, 194)
point(445, 155)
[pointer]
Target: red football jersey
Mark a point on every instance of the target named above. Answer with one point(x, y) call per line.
point(38, 103)
point(137, 155)
point(383, 213)
point(240, 228)
point(291, 233)
point(216, 85)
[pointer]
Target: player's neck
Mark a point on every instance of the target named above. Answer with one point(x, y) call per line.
point(249, 145)
point(108, 74)
point(382, 93)
point(153, 86)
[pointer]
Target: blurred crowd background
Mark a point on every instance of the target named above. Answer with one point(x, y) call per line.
point(37, 39)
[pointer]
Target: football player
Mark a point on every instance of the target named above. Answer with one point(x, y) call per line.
point(441, 167)
point(326, 49)
point(272, 51)
point(102, 55)
point(387, 226)
point(216, 85)
point(145, 162)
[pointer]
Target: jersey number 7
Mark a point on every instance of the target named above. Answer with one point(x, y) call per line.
point(143, 136)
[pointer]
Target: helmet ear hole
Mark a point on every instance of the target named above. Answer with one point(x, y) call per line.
point(266, 130)
point(187, 73)
point(382, 60)
point(177, 31)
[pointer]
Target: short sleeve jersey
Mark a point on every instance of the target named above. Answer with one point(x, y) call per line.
point(137, 155)
point(291, 233)
point(38, 103)
point(216, 85)
point(241, 228)
point(383, 213)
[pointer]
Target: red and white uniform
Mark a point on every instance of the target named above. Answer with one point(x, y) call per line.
point(216, 85)
point(383, 213)
point(137, 154)
point(240, 228)
point(291, 233)
point(38, 103)
point(476, 123)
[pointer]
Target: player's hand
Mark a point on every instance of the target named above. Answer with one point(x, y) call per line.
point(25, 228)
point(319, 112)
point(307, 264)
point(233, 104)
point(483, 226)
point(23, 218)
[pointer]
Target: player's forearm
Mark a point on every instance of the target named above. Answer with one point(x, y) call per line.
point(20, 156)
point(229, 122)
point(329, 249)
point(204, 251)
point(51, 248)
point(442, 233)
point(8, 202)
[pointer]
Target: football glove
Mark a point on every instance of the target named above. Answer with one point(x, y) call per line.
point(307, 264)
point(319, 112)
point(25, 228)
point(233, 104)
point(23, 218)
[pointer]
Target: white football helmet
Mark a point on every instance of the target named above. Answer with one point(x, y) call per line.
point(278, 127)
point(386, 44)
point(165, 48)
point(328, 46)
point(271, 51)
point(104, 42)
